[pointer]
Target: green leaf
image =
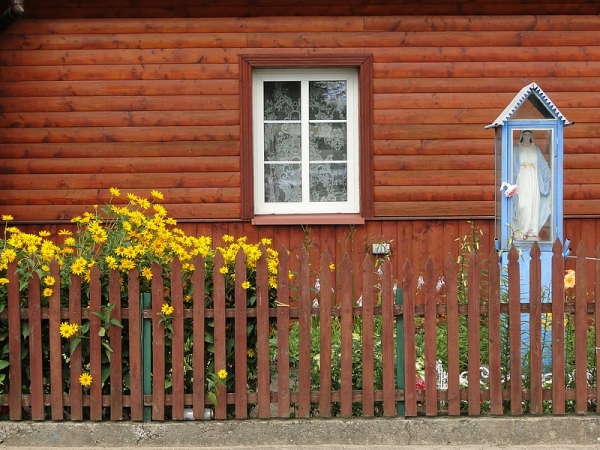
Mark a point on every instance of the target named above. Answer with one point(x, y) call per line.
point(213, 398)
point(107, 347)
point(114, 321)
point(25, 330)
point(102, 332)
point(3, 364)
point(74, 343)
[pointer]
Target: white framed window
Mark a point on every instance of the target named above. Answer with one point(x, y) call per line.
point(306, 141)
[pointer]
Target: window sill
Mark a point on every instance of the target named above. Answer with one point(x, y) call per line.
point(308, 219)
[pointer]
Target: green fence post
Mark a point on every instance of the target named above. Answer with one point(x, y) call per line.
point(146, 337)
point(400, 378)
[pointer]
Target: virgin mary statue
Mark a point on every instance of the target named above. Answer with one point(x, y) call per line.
point(531, 206)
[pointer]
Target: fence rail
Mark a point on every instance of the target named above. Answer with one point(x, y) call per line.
point(306, 353)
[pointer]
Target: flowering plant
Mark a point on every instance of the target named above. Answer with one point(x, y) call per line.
point(130, 233)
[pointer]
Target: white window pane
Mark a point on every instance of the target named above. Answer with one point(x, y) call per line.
point(328, 142)
point(328, 182)
point(282, 100)
point(283, 142)
point(283, 183)
point(328, 100)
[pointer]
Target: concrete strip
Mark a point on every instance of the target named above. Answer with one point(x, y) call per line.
point(526, 433)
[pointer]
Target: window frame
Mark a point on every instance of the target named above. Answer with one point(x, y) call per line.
point(364, 64)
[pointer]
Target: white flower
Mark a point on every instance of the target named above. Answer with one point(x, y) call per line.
point(511, 189)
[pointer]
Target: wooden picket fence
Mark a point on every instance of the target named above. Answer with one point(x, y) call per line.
point(50, 395)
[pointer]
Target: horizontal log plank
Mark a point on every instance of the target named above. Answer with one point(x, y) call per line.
point(434, 178)
point(435, 162)
point(467, 115)
point(223, 211)
point(162, 164)
point(119, 134)
point(137, 87)
point(120, 72)
point(497, 101)
point(435, 209)
point(185, 25)
point(123, 41)
point(484, 54)
point(120, 103)
point(463, 131)
point(482, 85)
point(319, 10)
point(433, 193)
point(424, 39)
point(486, 69)
point(102, 196)
point(124, 181)
point(572, 146)
point(118, 149)
point(119, 119)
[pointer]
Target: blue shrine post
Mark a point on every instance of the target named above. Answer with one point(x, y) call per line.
point(529, 190)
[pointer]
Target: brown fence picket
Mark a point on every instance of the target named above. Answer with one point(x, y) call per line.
point(177, 351)
point(430, 339)
point(596, 319)
point(56, 390)
point(116, 356)
point(263, 333)
point(494, 334)
point(199, 363)
point(474, 332)
point(220, 349)
point(158, 345)
point(325, 303)
point(410, 390)
point(453, 338)
point(35, 349)
point(387, 340)
point(558, 329)
point(514, 323)
point(136, 400)
point(581, 326)
point(347, 320)
point(283, 334)
point(535, 329)
point(96, 348)
point(368, 302)
point(304, 309)
point(241, 341)
point(14, 343)
point(76, 395)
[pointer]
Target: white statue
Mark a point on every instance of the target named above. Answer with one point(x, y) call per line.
point(532, 201)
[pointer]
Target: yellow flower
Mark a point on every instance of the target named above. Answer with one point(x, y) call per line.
point(332, 267)
point(166, 309)
point(44, 233)
point(67, 330)
point(85, 379)
point(569, 278)
point(157, 194)
point(7, 217)
point(227, 238)
point(222, 374)
point(224, 270)
point(246, 284)
point(3, 281)
point(65, 233)
point(147, 273)
point(250, 353)
point(115, 192)
point(49, 281)
point(8, 255)
point(70, 241)
point(48, 292)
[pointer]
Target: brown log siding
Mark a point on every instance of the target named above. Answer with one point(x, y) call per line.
point(93, 97)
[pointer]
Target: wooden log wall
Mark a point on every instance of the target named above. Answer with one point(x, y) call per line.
point(140, 95)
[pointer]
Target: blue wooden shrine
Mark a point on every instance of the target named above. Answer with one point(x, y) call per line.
point(529, 181)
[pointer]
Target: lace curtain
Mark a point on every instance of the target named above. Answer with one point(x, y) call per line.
point(327, 141)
